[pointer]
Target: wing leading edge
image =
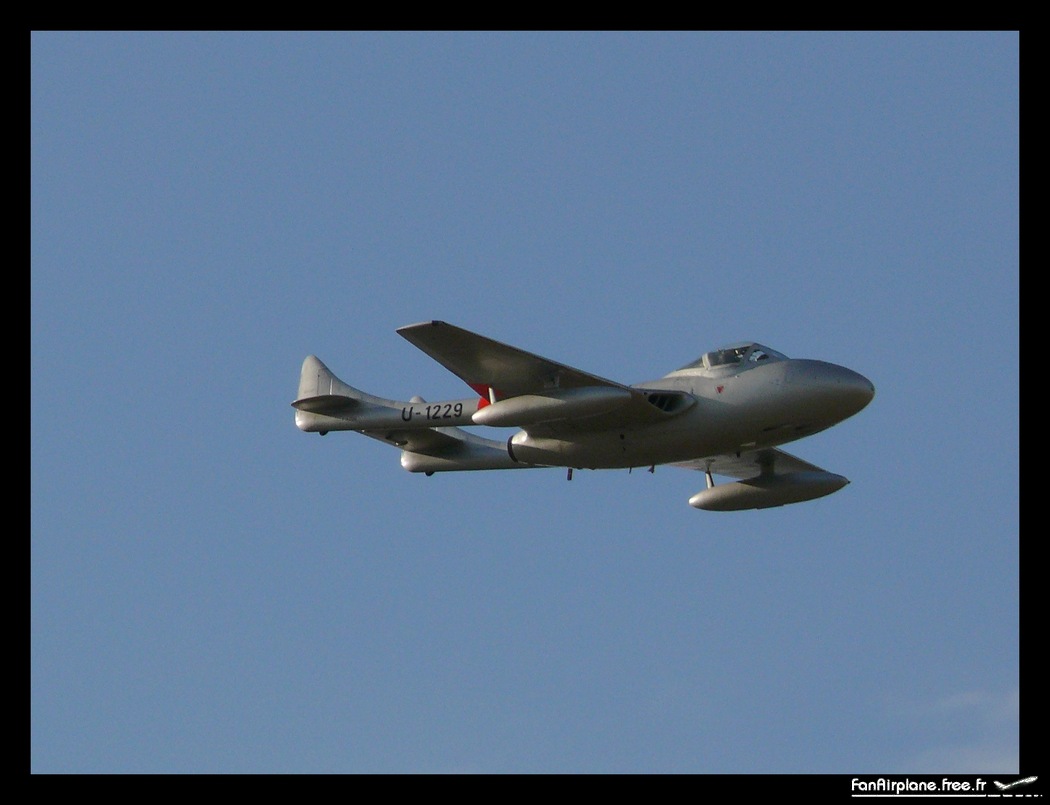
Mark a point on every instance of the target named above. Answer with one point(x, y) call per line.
point(484, 362)
point(768, 461)
point(433, 450)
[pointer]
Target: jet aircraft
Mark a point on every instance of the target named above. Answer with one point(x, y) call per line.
point(724, 414)
point(1014, 784)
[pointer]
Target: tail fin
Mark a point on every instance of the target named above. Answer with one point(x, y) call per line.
point(317, 380)
point(324, 399)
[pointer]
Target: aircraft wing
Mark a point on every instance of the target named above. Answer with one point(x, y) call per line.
point(554, 399)
point(432, 450)
point(749, 464)
point(427, 441)
point(484, 363)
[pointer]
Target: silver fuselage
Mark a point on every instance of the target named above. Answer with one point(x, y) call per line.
point(762, 406)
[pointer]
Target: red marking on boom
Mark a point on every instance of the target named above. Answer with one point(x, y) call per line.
point(483, 392)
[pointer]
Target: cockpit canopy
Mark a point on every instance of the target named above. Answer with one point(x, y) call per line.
point(740, 356)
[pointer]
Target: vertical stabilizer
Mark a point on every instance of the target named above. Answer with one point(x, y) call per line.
point(317, 380)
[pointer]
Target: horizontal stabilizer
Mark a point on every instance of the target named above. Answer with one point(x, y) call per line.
point(327, 404)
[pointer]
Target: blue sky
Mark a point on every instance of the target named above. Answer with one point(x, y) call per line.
point(214, 591)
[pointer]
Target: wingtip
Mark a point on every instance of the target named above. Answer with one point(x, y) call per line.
point(419, 326)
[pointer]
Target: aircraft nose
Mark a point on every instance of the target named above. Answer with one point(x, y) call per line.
point(854, 389)
point(836, 387)
point(853, 386)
